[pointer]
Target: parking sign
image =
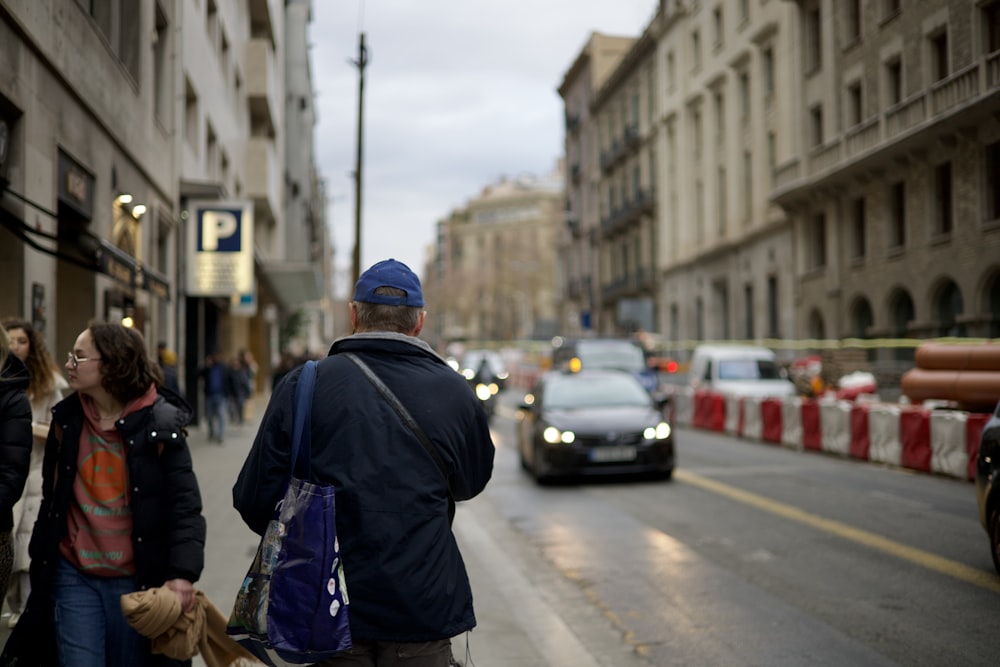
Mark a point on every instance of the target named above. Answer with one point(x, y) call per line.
point(220, 248)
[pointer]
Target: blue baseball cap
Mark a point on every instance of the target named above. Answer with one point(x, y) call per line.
point(389, 273)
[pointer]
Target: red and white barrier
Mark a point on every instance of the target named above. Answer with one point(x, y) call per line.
point(835, 427)
point(948, 445)
point(945, 442)
point(753, 425)
point(791, 422)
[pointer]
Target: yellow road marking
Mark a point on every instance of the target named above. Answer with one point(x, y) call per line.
point(918, 556)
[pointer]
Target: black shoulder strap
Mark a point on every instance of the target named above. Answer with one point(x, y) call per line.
point(408, 419)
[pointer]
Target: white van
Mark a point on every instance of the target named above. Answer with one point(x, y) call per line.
point(744, 370)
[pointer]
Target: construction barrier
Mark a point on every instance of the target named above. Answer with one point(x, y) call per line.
point(973, 432)
point(812, 436)
point(770, 415)
point(883, 434)
point(791, 423)
point(915, 439)
point(948, 443)
point(753, 425)
point(860, 433)
point(734, 415)
point(835, 427)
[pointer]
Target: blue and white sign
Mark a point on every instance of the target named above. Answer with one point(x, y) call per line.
point(220, 248)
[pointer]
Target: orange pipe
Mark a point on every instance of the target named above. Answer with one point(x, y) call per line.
point(979, 388)
point(948, 356)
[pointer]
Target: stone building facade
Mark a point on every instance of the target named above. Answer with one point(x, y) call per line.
point(114, 118)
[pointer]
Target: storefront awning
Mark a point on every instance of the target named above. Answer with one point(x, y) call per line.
point(294, 283)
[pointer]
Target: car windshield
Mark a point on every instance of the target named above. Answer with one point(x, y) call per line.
point(616, 356)
point(574, 391)
point(748, 369)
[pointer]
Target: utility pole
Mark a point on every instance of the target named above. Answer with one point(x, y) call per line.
point(360, 63)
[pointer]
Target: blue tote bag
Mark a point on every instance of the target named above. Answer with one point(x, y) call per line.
point(292, 608)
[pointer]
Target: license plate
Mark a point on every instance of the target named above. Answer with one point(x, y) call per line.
point(610, 454)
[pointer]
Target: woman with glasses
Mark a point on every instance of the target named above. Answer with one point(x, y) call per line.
point(15, 448)
point(121, 509)
point(45, 389)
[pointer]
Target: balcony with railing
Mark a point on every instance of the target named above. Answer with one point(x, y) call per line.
point(638, 282)
point(261, 83)
point(955, 89)
point(263, 176)
point(642, 202)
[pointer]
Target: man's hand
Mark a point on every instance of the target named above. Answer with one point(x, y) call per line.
point(184, 590)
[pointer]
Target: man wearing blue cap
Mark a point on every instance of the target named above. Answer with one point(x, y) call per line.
point(408, 587)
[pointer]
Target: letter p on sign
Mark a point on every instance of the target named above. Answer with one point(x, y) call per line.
point(220, 231)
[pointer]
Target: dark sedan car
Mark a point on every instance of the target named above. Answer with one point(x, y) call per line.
point(593, 422)
point(988, 483)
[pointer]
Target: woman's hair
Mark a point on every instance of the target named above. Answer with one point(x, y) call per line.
point(40, 363)
point(380, 317)
point(128, 370)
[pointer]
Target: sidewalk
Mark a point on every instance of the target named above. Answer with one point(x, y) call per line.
point(515, 592)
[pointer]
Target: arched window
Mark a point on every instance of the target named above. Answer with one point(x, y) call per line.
point(816, 328)
point(901, 314)
point(861, 321)
point(948, 308)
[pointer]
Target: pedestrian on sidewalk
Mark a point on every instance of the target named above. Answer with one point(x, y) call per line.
point(215, 376)
point(45, 389)
point(15, 448)
point(409, 590)
point(121, 509)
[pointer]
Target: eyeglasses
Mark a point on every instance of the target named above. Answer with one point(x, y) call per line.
point(75, 361)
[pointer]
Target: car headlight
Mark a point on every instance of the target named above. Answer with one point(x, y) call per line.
point(554, 436)
point(659, 432)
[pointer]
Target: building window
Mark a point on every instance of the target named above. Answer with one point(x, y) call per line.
point(816, 123)
point(768, 72)
point(772, 307)
point(747, 186)
point(894, 81)
point(744, 10)
point(818, 235)
point(990, 15)
point(859, 229)
point(699, 215)
point(890, 8)
point(670, 71)
point(675, 324)
point(772, 155)
point(190, 116)
point(696, 133)
point(211, 151)
point(855, 108)
point(699, 320)
point(897, 215)
point(720, 118)
point(943, 218)
point(748, 311)
point(991, 185)
point(161, 65)
point(717, 27)
point(939, 55)
point(722, 212)
point(695, 50)
point(814, 40)
point(852, 21)
point(744, 95)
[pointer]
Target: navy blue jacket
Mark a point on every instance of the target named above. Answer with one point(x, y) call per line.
point(405, 576)
point(168, 531)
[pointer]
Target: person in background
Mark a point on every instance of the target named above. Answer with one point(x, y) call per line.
point(409, 589)
point(45, 389)
point(214, 376)
point(168, 364)
point(121, 509)
point(15, 448)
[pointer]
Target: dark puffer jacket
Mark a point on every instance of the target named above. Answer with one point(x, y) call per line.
point(15, 436)
point(168, 533)
point(405, 575)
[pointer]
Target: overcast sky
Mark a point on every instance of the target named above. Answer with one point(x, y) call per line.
point(457, 94)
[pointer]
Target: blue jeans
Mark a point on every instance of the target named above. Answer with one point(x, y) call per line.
point(91, 630)
point(215, 407)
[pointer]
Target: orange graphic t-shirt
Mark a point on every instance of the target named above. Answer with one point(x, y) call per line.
point(99, 536)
